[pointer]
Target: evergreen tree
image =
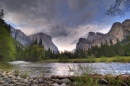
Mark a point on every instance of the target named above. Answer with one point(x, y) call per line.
point(40, 42)
point(89, 51)
point(35, 42)
point(111, 43)
point(7, 49)
point(1, 13)
point(102, 49)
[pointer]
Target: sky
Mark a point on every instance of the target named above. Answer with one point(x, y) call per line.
point(65, 20)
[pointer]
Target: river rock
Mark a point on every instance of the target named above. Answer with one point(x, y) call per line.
point(25, 80)
point(11, 76)
point(2, 82)
point(10, 84)
point(18, 84)
point(3, 74)
point(34, 85)
point(40, 80)
point(66, 80)
point(7, 80)
point(35, 82)
point(13, 81)
point(63, 84)
point(55, 80)
point(56, 84)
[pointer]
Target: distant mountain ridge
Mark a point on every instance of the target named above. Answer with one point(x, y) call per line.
point(118, 31)
point(27, 40)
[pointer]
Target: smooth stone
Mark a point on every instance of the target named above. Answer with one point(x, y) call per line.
point(59, 82)
point(5, 77)
point(11, 85)
point(18, 76)
point(2, 82)
point(56, 80)
point(25, 80)
point(41, 84)
point(10, 76)
point(13, 81)
point(8, 80)
point(17, 83)
point(66, 80)
point(49, 82)
point(1, 78)
point(5, 84)
point(40, 80)
point(30, 80)
point(63, 84)
point(35, 81)
point(56, 84)
point(34, 85)
point(3, 74)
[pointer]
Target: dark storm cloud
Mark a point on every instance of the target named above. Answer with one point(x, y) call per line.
point(48, 11)
point(57, 18)
point(58, 30)
point(76, 5)
point(34, 8)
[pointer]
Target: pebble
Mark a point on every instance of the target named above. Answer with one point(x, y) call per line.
point(66, 80)
point(2, 82)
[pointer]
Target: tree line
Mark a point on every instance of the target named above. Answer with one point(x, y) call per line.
point(7, 48)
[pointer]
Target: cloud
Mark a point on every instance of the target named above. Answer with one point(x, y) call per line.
point(76, 5)
point(64, 20)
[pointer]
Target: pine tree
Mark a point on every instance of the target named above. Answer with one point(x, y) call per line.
point(89, 51)
point(1, 14)
point(111, 43)
point(40, 42)
point(35, 42)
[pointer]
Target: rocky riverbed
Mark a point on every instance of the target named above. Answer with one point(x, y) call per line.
point(14, 78)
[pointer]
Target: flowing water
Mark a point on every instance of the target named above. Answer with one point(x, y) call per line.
point(65, 69)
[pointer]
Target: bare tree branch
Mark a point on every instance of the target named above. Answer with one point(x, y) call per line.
point(119, 7)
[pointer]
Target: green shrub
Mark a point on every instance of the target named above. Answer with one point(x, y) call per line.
point(24, 75)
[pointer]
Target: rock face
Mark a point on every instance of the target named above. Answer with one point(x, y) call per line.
point(27, 40)
point(118, 31)
point(20, 37)
point(46, 41)
point(83, 44)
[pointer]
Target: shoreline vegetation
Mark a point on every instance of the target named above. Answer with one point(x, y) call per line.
point(123, 59)
point(5, 66)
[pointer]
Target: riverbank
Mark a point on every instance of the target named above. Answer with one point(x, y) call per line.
point(123, 59)
point(5, 66)
point(13, 78)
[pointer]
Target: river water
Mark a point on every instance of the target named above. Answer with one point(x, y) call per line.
point(65, 69)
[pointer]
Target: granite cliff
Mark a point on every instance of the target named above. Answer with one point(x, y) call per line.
point(118, 31)
point(27, 40)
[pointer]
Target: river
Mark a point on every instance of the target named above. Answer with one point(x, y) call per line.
point(65, 69)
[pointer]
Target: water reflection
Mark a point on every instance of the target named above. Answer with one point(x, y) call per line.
point(63, 69)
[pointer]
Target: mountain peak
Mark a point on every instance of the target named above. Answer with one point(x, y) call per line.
point(27, 40)
point(117, 31)
point(41, 35)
